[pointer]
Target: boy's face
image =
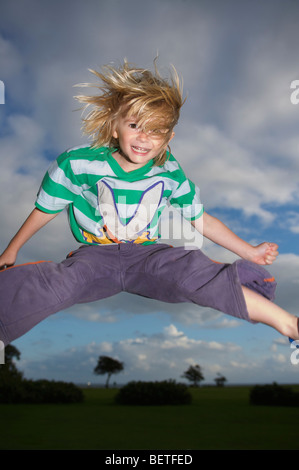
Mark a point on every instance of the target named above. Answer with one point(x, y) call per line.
point(136, 146)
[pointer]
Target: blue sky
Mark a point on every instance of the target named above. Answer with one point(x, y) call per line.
point(237, 140)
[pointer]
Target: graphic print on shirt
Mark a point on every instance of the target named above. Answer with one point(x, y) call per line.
point(118, 228)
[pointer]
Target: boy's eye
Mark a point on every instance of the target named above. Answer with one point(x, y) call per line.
point(133, 125)
point(159, 131)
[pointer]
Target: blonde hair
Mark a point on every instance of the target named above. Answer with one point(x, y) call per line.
point(154, 101)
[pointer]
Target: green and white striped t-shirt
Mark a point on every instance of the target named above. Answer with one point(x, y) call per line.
point(108, 205)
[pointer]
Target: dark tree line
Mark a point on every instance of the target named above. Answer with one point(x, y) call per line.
point(195, 376)
point(16, 389)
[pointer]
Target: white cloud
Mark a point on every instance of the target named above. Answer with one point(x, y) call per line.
point(230, 177)
point(292, 221)
point(153, 356)
point(10, 59)
point(285, 270)
point(162, 356)
point(172, 330)
point(106, 347)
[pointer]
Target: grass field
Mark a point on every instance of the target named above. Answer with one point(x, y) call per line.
point(219, 418)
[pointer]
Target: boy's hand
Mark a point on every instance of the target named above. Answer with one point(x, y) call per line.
point(36, 220)
point(7, 259)
point(265, 253)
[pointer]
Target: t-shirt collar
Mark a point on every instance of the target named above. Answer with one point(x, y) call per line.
point(128, 175)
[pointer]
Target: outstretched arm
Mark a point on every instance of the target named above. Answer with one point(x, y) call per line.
point(36, 220)
point(216, 231)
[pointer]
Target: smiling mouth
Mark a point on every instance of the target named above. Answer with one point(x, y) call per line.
point(140, 149)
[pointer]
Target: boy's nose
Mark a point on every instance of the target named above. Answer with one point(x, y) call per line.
point(142, 135)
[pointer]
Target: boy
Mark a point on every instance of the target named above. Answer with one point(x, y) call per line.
point(115, 191)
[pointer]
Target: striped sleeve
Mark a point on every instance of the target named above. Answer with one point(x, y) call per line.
point(59, 187)
point(186, 197)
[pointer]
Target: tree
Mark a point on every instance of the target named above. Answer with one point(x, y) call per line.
point(108, 365)
point(194, 374)
point(220, 380)
point(9, 371)
point(15, 389)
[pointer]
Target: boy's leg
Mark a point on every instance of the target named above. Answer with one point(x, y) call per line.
point(32, 292)
point(264, 311)
point(27, 297)
point(242, 289)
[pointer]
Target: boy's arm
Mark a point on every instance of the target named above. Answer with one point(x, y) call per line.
point(216, 231)
point(36, 220)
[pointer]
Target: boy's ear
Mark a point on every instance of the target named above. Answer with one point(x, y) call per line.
point(172, 136)
point(115, 134)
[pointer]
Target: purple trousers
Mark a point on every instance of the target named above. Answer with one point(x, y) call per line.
point(30, 293)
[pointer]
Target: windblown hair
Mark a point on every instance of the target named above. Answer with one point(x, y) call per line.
point(153, 101)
